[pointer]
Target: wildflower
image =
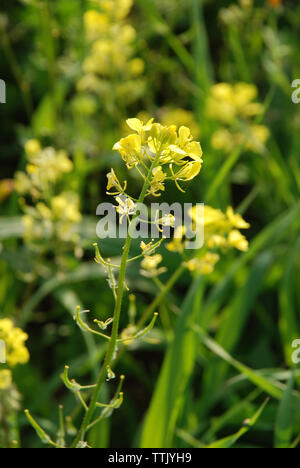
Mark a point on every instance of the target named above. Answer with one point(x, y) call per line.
point(130, 150)
point(126, 207)
point(157, 181)
point(14, 338)
point(66, 207)
point(236, 219)
point(221, 230)
point(95, 24)
point(234, 106)
point(164, 146)
point(167, 220)
point(149, 266)
point(237, 240)
point(113, 182)
point(136, 66)
point(5, 379)
point(32, 147)
point(204, 265)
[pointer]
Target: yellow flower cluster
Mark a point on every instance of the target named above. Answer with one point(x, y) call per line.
point(5, 379)
point(163, 146)
point(52, 216)
point(234, 107)
point(221, 232)
point(111, 68)
point(150, 266)
point(16, 351)
point(45, 167)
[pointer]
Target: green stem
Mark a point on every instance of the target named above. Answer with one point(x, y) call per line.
point(116, 318)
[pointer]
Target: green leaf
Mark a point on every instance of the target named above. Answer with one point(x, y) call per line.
point(229, 441)
point(288, 320)
point(285, 415)
point(160, 421)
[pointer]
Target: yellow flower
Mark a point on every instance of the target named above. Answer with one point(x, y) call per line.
point(126, 207)
point(95, 24)
point(22, 183)
point(32, 147)
point(113, 182)
point(236, 219)
point(221, 230)
point(204, 265)
point(130, 149)
point(5, 379)
point(259, 135)
point(237, 240)
point(157, 181)
point(136, 66)
point(226, 102)
point(66, 207)
point(149, 266)
point(14, 339)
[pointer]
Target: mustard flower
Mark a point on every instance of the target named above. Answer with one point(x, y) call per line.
point(204, 265)
point(150, 266)
point(126, 207)
point(5, 379)
point(234, 106)
point(163, 145)
point(113, 182)
point(14, 339)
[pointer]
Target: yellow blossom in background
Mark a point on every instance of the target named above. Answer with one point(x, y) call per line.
point(234, 107)
point(150, 266)
point(45, 167)
point(178, 242)
point(204, 265)
point(221, 230)
point(53, 213)
point(32, 147)
point(221, 233)
point(5, 379)
point(111, 68)
point(14, 339)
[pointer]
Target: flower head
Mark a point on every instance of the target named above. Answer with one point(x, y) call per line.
point(126, 207)
point(113, 182)
point(14, 339)
point(5, 379)
point(162, 146)
point(150, 266)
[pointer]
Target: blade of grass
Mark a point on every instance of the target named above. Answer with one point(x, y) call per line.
point(284, 420)
point(160, 420)
point(229, 335)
